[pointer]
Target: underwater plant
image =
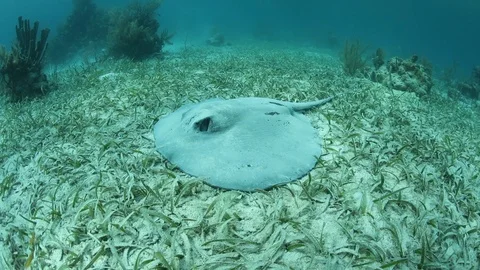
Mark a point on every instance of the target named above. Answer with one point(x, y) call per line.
point(87, 25)
point(21, 69)
point(133, 32)
point(469, 89)
point(378, 58)
point(352, 57)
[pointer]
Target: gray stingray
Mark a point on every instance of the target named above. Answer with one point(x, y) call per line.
point(244, 143)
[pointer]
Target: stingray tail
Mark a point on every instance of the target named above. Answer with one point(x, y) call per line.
point(303, 106)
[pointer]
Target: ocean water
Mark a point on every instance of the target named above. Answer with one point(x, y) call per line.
point(89, 181)
point(444, 32)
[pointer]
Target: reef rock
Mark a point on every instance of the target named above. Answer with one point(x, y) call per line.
point(404, 75)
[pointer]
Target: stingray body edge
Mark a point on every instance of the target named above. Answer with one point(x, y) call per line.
point(243, 144)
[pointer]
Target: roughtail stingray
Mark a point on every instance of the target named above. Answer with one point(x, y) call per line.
point(244, 143)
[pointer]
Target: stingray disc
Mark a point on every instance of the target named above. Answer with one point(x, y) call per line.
point(244, 143)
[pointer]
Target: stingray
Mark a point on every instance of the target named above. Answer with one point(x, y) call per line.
point(243, 144)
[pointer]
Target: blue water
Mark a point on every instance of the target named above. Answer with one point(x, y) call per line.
point(443, 31)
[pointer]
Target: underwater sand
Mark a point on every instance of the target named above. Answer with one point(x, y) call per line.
point(81, 185)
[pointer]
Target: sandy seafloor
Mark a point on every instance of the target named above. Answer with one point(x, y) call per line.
point(82, 186)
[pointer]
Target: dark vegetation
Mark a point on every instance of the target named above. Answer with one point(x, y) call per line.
point(378, 58)
point(423, 61)
point(21, 68)
point(448, 74)
point(469, 89)
point(130, 32)
point(133, 31)
point(127, 32)
point(85, 27)
point(352, 57)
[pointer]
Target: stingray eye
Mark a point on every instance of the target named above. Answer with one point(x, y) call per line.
point(203, 124)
